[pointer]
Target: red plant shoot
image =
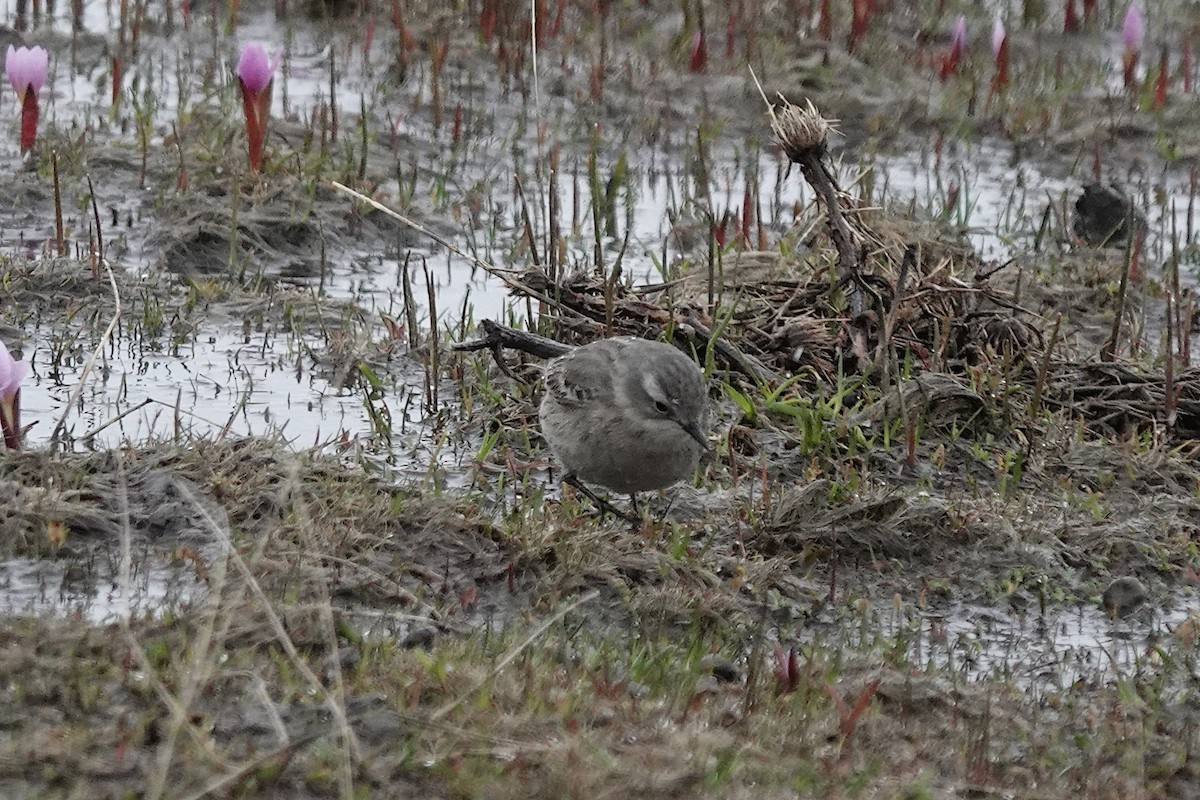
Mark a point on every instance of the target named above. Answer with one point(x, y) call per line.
point(720, 231)
point(858, 24)
point(699, 52)
point(825, 22)
point(1070, 18)
point(117, 75)
point(952, 61)
point(848, 714)
point(540, 23)
point(1135, 255)
point(1160, 83)
point(786, 670)
point(487, 22)
point(29, 121)
point(559, 11)
point(406, 43)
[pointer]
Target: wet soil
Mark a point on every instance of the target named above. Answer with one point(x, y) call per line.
point(443, 623)
point(318, 587)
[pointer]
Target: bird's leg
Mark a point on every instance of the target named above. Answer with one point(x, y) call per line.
point(635, 517)
point(600, 503)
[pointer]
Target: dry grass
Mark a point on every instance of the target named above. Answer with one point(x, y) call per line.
point(290, 675)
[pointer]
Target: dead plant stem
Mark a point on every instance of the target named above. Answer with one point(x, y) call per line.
point(505, 276)
point(338, 712)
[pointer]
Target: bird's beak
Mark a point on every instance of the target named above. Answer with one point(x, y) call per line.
point(693, 430)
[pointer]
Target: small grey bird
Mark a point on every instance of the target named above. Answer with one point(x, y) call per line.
point(627, 414)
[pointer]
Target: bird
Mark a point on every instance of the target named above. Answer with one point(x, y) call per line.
point(626, 414)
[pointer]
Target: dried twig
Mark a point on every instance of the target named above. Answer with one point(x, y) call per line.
point(804, 136)
point(496, 337)
point(509, 277)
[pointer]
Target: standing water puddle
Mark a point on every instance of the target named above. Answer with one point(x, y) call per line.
point(1051, 651)
point(90, 588)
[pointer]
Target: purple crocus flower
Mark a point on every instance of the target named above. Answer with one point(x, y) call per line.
point(11, 374)
point(998, 36)
point(255, 72)
point(1133, 34)
point(958, 37)
point(1133, 30)
point(952, 61)
point(26, 68)
point(255, 69)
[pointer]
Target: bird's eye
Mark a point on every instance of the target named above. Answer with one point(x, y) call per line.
point(662, 407)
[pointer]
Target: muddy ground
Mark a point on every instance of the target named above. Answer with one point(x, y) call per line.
point(418, 612)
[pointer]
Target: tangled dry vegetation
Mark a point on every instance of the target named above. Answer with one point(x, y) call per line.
point(881, 299)
point(895, 394)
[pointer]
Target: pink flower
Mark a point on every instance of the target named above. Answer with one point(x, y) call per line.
point(11, 373)
point(998, 36)
point(958, 37)
point(255, 70)
point(1133, 31)
point(952, 60)
point(27, 68)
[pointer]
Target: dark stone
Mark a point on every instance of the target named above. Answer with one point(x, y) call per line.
point(1124, 596)
point(420, 637)
point(726, 672)
point(1102, 215)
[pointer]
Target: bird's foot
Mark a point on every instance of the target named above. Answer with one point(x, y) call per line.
point(602, 504)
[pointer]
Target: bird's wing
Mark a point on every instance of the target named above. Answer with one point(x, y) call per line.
point(582, 376)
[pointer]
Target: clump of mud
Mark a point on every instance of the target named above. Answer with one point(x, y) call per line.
point(286, 231)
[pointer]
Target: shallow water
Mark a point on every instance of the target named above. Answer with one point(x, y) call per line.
point(262, 384)
point(1046, 651)
point(92, 590)
point(1050, 651)
point(221, 383)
